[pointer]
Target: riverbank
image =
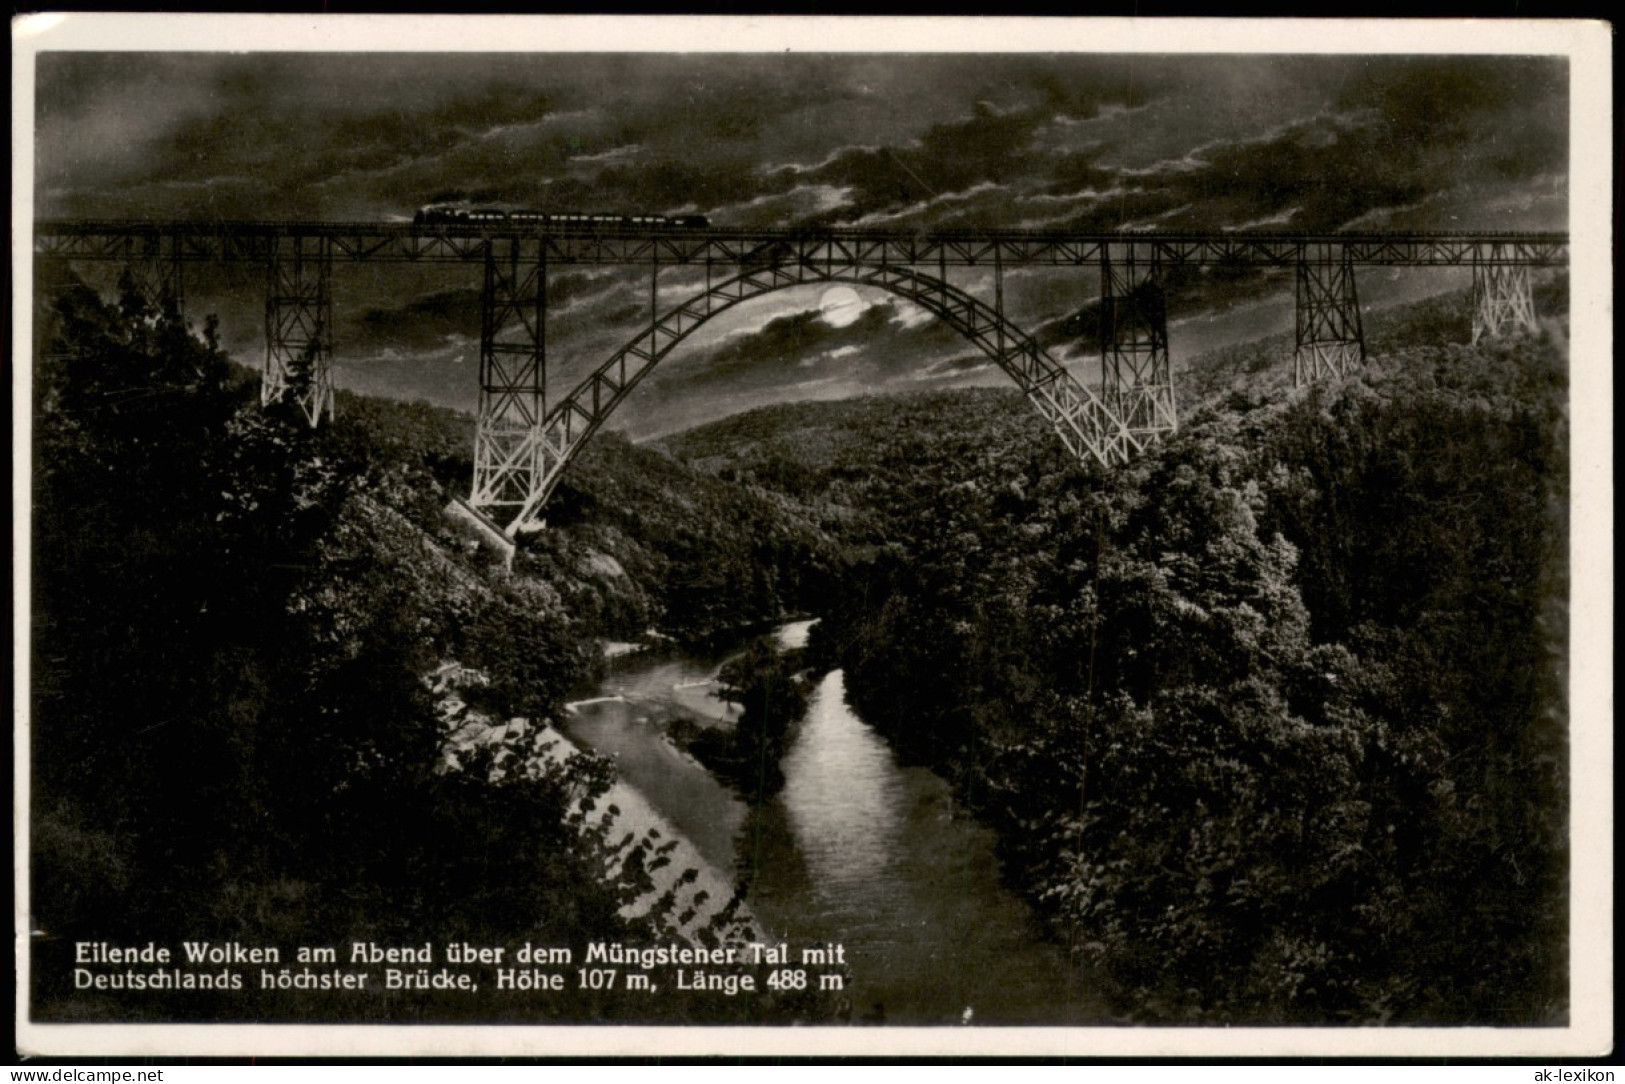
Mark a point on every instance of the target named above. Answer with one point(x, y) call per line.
point(855, 850)
point(684, 894)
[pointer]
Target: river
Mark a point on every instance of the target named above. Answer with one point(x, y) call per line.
point(856, 849)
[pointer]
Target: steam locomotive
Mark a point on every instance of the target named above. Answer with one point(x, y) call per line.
point(443, 215)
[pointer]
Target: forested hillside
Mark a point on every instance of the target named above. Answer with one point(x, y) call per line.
point(634, 541)
point(1271, 722)
point(702, 558)
point(236, 729)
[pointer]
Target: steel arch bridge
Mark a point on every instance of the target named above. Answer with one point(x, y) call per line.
point(1084, 422)
point(524, 443)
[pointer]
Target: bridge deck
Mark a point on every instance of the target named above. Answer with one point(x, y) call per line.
point(403, 242)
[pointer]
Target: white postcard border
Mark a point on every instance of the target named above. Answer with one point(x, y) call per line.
point(1586, 44)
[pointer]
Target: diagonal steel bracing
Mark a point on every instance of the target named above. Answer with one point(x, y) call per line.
point(154, 264)
point(513, 372)
point(1503, 297)
point(1330, 341)
point(1136, 380)
point(631, 244)
point(1085, 424)
point(298, 326)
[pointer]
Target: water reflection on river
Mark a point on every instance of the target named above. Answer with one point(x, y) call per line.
point(856, 849)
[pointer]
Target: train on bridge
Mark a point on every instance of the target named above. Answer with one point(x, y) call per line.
point(439, 214)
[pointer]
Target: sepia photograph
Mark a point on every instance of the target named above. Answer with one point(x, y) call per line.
point(621, 536)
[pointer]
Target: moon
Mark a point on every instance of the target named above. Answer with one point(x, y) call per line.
point(840, 306)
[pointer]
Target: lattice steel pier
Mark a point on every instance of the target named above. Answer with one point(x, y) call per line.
point(298, 325)
point(1330, 339)
point(1137, 379)
point(513, 373)
point(1503, 295)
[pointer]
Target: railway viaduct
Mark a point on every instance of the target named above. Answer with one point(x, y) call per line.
point(525, 438)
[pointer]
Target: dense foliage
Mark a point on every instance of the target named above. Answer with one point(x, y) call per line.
point(764, 683)
point(1271, 722)
point(697, 557)
point(234, 617)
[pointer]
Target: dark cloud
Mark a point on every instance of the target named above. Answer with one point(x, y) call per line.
point(1081, 93)
point(1396, 135)
point(1076, 171)
point(908, 141)
point(1425, 101)
point(660, 186)
point(987, 147)
point(877, 347)
point(1401, 132)
point(920, 140)
point(1326, 174)
point(422, 320)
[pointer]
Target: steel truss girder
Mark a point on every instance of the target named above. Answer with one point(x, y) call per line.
point(298, 325)
point(1503, 296)
point(1330, 339)
point(405, 243)
point(1084, 423)
point(513, 372)
point(1136, 379)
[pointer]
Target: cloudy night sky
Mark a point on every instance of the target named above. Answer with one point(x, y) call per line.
point(1091, 142)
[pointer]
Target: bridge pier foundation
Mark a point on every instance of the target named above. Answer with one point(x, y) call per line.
point(298, 325)
point(1330, 339)
point(1503, 295)
point(508, 464)
point(1137, 382)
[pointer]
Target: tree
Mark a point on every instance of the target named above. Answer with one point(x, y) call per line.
point(763, 683)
